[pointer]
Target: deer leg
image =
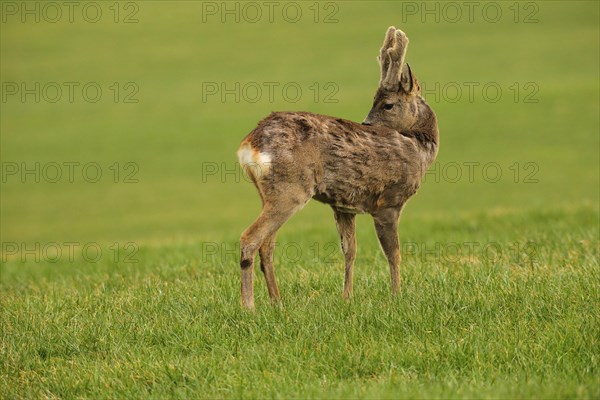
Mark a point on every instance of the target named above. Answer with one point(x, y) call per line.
point(266, 265)
point(386, 225)
point(273, 215)
point(346, 227)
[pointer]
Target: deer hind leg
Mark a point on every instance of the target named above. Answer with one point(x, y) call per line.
point(266, 265)
point(386, 225)
point(275, 212)
point(346, 227)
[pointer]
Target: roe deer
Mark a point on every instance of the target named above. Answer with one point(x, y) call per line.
point(373, 167)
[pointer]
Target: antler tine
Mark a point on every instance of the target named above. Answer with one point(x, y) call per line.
point(393, 60)
point(382, 58)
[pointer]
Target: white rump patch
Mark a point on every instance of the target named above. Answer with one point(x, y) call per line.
point(264, 158)
point(255, 163)
point(244, 155)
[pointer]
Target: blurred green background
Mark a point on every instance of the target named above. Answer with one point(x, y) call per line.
point(175, 136)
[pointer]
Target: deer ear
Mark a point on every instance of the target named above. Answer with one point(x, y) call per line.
point(408, 82)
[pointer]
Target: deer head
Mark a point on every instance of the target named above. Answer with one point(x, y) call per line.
point(397, 100)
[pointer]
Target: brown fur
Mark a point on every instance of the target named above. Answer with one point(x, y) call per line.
point(373, 167)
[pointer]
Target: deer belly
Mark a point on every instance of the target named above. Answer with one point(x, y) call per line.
point(340, 203)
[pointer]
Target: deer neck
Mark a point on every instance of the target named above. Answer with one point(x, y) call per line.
point(425, 131)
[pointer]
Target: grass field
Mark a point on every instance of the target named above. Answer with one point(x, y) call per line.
point(126, 284)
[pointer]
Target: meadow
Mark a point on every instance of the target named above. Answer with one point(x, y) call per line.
point(121, 203)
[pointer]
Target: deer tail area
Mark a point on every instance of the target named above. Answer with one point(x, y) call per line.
point(256, 164)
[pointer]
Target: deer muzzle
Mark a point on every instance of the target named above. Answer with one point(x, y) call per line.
point(368, 119)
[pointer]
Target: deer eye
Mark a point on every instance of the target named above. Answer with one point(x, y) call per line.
point(388, 106)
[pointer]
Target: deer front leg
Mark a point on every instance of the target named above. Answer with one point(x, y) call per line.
point(386, 225)
point(347, 229)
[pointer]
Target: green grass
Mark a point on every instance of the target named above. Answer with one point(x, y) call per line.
point(522, 323)
point(501, 281)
